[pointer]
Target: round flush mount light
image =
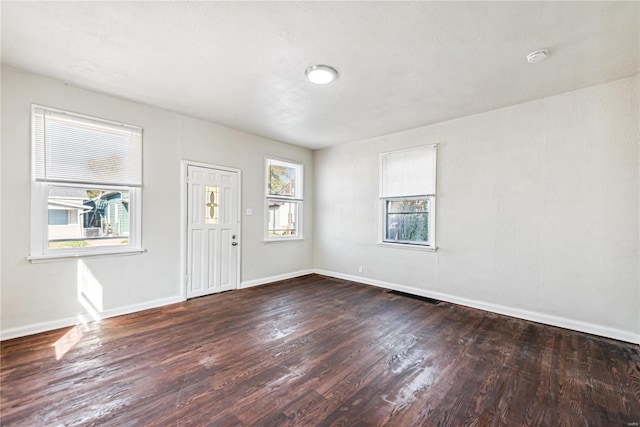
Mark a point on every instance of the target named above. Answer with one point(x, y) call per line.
point(537, 55)
point(321, 74)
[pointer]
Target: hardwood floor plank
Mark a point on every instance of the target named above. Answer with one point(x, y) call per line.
point(317, 351)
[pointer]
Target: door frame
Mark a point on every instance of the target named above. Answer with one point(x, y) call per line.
point(184, 190)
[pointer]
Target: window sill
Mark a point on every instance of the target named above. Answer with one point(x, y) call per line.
point(408, 246)
point(35, 259)
point(288, 239)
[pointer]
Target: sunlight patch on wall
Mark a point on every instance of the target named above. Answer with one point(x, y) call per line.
point(90, 293)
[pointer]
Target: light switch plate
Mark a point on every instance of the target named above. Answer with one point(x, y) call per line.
point(249, 212)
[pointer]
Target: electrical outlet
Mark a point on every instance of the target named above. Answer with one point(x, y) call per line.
point(360, 269)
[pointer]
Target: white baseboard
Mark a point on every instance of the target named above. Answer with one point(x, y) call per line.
point(265, 280)
point(36, 328)
point(590, 328)
point(141, 306)
point(576, 325)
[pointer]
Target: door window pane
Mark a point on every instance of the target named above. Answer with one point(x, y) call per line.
point(212, 207)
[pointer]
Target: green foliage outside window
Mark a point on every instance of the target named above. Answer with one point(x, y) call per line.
point(408, 220)
point(281, 180)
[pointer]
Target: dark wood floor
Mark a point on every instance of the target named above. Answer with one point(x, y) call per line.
point(318, 351)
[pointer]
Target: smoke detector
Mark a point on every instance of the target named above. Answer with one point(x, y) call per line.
point(537, 55)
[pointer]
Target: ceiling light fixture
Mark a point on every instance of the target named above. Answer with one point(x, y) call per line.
point(537, 55)
point(321, 74)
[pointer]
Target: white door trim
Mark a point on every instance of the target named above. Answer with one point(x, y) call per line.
point(184, 165)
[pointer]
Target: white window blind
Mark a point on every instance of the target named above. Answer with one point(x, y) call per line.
point(409, 172)
point(78, 149)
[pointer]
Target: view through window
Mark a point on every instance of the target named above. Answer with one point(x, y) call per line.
point(87, 184)
point(283, 199)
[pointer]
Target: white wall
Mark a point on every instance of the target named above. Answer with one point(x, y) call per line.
point(42, 296)
point(538, 211)
point(207, 142)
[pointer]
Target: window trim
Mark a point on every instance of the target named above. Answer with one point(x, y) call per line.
point(39, 239)
point(298, 200)
point(382, 211)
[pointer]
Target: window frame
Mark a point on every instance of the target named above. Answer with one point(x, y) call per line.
point(298, 199)
point(39, 239)
point(430, 244)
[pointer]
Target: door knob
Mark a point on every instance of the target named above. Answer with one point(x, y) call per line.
point(234, 244)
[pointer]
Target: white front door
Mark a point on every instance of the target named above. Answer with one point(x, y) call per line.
point(212, 230)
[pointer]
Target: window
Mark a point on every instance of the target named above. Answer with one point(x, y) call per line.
point(284, 183)
point(59, 216)
point(408, 196)
point(86, 185)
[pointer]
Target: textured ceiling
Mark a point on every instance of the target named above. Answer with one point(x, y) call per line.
point(402, 64)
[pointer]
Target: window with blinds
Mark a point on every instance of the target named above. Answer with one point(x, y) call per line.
point(90, 170)
point(407, 196)
point(77, 149)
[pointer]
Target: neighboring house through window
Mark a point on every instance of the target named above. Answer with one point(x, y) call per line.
point(284, 200)
point(408, 196)
point(86, 185)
